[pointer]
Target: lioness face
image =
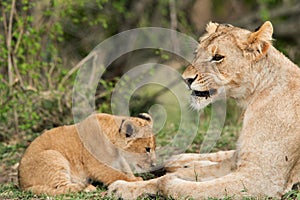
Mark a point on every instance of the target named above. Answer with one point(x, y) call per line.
point(224, 61)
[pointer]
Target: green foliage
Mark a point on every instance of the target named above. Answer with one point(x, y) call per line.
point(28, 57)
point(103, 95)
point(265, 6)
point(35, 92)
point(9, 154)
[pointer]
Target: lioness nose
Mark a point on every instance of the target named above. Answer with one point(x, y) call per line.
point(189, 81)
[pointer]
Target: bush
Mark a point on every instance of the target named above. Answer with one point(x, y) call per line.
point(35, 83)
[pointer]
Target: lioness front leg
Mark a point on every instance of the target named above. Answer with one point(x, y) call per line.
point(202, 167)
point(236, 185)
point(197, 171)
point(172, 185)
point(187, 159)
point(195, 167)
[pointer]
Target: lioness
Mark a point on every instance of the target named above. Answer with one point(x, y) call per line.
point(63, 160)
point(266, 84)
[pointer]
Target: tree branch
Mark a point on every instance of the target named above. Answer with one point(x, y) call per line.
point(173, 17)
point(8, 43)
point(74, 69)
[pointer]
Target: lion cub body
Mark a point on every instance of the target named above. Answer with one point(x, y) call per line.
point(66, 158)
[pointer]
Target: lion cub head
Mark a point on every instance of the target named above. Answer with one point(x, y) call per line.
point(227, 60)
point(133, 137)
point(138, 141)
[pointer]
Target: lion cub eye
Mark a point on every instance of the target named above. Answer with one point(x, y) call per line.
point(195, 52)
point(217, 58)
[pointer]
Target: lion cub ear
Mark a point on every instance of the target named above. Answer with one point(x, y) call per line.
point(146, 117)
point(260, 40)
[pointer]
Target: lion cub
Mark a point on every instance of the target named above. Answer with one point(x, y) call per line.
point(99, 148)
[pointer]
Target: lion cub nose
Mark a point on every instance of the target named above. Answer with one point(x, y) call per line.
point(153, 164)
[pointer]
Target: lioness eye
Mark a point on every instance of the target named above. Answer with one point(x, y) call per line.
point(217, 58)
point(148, 149)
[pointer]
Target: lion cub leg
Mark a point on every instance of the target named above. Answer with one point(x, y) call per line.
point(106, 174)
point(49, 172)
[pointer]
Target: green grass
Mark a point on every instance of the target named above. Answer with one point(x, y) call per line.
point(11, 191)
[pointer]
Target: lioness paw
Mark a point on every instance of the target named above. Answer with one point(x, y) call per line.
point(124, 189)
point(119, 189)
point(167, 184)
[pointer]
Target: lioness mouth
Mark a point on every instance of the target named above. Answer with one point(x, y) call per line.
point(206, 94)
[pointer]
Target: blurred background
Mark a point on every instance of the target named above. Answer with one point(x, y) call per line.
point(42, 41)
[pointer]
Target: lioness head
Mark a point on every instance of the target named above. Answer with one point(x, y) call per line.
point(227, 61)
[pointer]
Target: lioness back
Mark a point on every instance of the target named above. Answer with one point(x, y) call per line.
point(66, 158)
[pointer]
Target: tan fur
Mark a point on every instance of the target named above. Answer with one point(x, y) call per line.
point(266, 84)
point(61, 160)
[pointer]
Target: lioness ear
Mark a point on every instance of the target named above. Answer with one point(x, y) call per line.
point(260, 40)
point(146, 117)
point(211, 27)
